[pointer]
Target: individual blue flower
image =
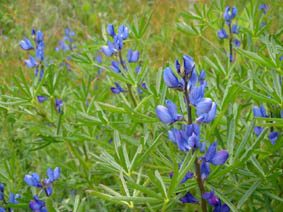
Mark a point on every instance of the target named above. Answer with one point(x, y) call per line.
point(281, 58)
point(168, 115)
point(202, 147)
point(188, 176)
point(258, 130)
point(39, 36)
point(118, 43)
point(237, 43)
point(13, 198)
point(26, 44)
point(59, 105)
point(188, 198)
point(108, 50)
point(133, 56)
point(193, 79)
point(137, 69)
point(37, 205)
point(31, 63)
point(273, 136)
point(178, 66)
point(215, 202)
point(264, 8)
point(41, 99)
point(213, 157)
point(110, 30)
point(201, 77)
point(229, 14)
point(1, 188)
point(196, 94)
point(171, 80)
point(206, 110)
point(39, 51)
point(189, 65)
point(115, 66)
point(143, 85)
point(33, 180)
point(235, 29)
point(123, 32)
point(117, 89)
point(187, 138)
point(259, 112)
point(2, 210)
point(53, 174)
point(222, 34)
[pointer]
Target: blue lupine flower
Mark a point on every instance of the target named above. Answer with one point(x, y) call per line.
point(259, 112)
point(188, 198)
point(258, 130)
point(118, 42)
point(213, 157)
point(117, 89)
point(237, 42)
point(264, 8)
point(273, 136)
point(143, 85)
point(34, 180)
point(31, 63)
point(168, 115)
point(1, 188)
point(137, 69)
point(123, 32)
point(13, 197)
point(196, 94)
point(178, 66)
point(109, 50)
point(201, 77)
point(170, 79)
point(189, 65)
point(59, 105)
point(215, 202)
point(206, 110)
point(2, 210)
point(26, 44)
point(187, 138)
point(229, 14)
point(53, 175)
point(41, 99)
point(222, 34)
point(235, 29)
point(193, 79)
point(110, 30)
point(39, 51)
point(39, 36)
point(189, 175)
point(133, 56)
point(37, 205)
point(115, 66)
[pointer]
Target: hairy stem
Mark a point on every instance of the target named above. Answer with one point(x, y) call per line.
point(197, 165)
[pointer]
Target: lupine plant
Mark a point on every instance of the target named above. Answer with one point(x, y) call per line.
point(118, 125)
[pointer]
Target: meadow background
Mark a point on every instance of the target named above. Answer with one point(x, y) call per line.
point(34, 137)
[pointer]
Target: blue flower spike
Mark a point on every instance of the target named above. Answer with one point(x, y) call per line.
point(168, 115)
point(41, 99)
point(229, 14)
